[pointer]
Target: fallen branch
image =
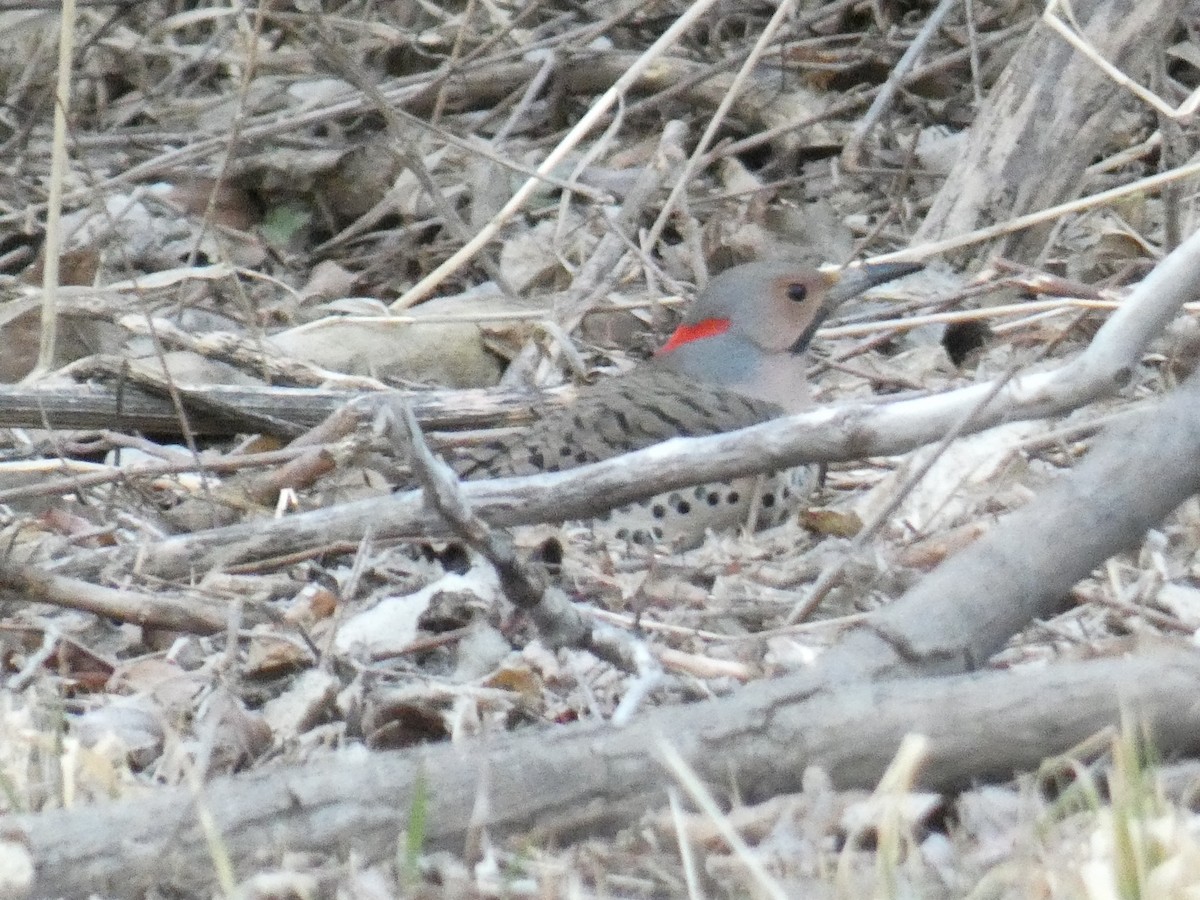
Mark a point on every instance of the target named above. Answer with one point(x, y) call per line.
point(580, 779)
point(525, 585)
point(195, 614)
point(827, 434)
point(233, 409)
point(1015, 159)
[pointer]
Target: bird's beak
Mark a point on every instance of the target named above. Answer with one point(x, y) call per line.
point(850, 282)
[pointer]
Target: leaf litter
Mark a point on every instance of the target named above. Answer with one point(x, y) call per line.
point(227, 175)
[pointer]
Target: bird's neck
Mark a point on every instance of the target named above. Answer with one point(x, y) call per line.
point(733, 364)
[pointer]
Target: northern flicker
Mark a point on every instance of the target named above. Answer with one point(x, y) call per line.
point(735, 360)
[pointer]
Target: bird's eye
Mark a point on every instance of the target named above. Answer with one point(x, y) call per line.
point(797, 291)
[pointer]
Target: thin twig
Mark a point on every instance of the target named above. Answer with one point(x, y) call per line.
point(852, 153)
point(558, 622)
point(684, 179)
point(598, 110)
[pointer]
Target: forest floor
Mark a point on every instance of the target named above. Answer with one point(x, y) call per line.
point(266, 213)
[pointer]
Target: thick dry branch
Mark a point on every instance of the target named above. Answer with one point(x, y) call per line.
point(82, 407)
point(191, 614)
point(1016, 159)
point(828, 434)
point(1139, 470)
point(580, 779)
point(836, 433)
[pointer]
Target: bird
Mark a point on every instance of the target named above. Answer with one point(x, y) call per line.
point(736, 359)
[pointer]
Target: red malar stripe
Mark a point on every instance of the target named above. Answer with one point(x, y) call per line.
point(685, 334)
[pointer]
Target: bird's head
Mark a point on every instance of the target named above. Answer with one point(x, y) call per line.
point(775, 306)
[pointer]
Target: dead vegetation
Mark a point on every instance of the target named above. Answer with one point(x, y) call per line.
point(245, 654)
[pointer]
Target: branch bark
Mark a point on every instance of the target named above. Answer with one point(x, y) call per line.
point(221, 409)
point(581, 779)
point(826, 434)
point(1016, 160)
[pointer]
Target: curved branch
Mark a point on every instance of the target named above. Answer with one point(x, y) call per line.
point(828, 434)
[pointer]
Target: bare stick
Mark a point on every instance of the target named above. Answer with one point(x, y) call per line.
point(827, 434)
point(852, 153)
point(157, 610)
point(557, 620)
point(684, 177)
point(583, 779)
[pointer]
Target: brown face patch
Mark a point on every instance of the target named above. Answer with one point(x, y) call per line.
point(793, 308)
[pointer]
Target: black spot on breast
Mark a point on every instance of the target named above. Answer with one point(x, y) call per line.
point(550, 553)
